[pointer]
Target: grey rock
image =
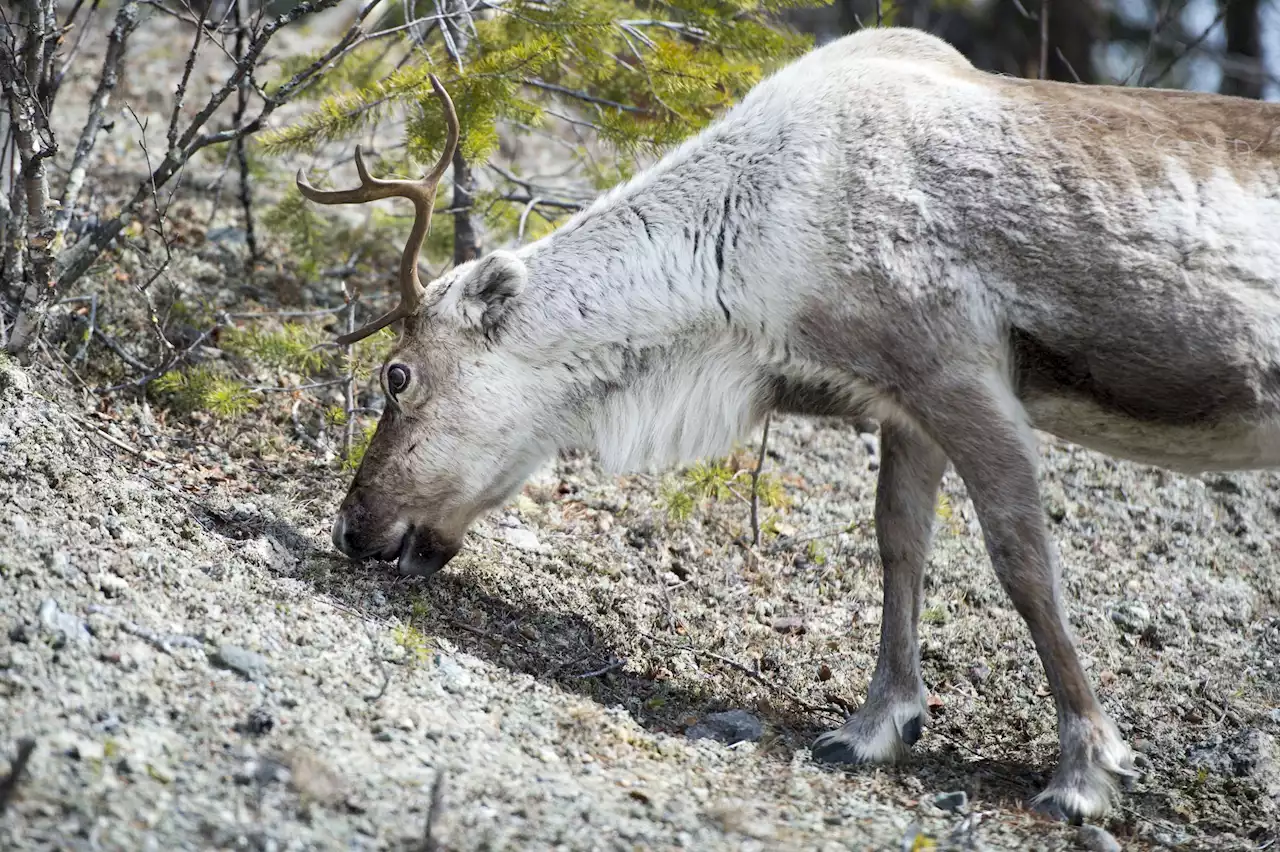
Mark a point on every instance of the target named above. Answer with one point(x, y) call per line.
point(59, 622)
point(245, 663)
point(955, 801)
point(260, 721)
point(59, 562)
point(1096, 839)
point(979, 672)
point(729, 727)
point(1250, 753)
point(453, 677)
point(1131, 616)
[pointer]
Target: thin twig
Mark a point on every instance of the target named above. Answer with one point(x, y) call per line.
point(349, 389)
point(124, 355)
point(1067, 63)
point(434, 811)
point(1195, 43)
point(580, 95)
point(180, 96)
point(242, 153)
point(172, 361)
point(755, 483)
point(524, 217)
point(326, 383)
point(117, 44)
point(613, 666)
point(107, 437)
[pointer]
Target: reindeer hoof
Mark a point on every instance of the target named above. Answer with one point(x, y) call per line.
point(872, 737)
point(1083, 792)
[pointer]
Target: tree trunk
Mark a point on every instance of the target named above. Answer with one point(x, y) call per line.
point(466, 238)
point(1242, 72)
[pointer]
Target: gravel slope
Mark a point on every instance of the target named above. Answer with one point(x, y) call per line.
point(200, 671)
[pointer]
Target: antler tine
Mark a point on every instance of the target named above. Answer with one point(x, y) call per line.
point(451, 143)
point(421, 192)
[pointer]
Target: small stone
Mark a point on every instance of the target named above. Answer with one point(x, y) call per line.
point(453, 677)
point(790, 626)
point(729, 727)
point(1096, 839)
point(246, 663)
point(824, 672)
point(21, 525)
point(58, 563)
point(521, 538)
point(1131, 616)
point(259, 722)
point(64, 623)
point(1144, 746)
point(111, 585)
point(21, 634)
point(954, 801)
point(979, 672)
point(76, 747)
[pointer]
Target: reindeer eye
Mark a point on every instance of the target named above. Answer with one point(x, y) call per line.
point(397, 378)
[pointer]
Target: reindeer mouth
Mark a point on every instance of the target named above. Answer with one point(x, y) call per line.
point(422, 554)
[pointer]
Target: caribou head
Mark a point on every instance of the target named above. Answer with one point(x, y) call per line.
point(440, 456)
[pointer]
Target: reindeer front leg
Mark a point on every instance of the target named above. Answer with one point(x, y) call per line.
point(890, 721)
point(978, 422)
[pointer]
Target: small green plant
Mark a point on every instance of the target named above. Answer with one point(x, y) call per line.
point(359, 444)
point(200, 388)
point(934, 615)
point(719, 480)
point(947, 514)
point(309, 235)
point(417, 649)
point(292, 347)
point(816, 552)
point(677, 501)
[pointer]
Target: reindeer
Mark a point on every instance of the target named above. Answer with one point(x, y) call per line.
point(878, 229)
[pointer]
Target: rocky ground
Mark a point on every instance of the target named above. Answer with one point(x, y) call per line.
point(198, 669)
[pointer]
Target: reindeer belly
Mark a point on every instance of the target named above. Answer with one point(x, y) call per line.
point(1174, 400)
point(1235, 445)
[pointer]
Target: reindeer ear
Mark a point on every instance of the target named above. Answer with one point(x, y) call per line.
point(480, 295)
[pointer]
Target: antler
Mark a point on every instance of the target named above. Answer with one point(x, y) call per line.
point(421, 192)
